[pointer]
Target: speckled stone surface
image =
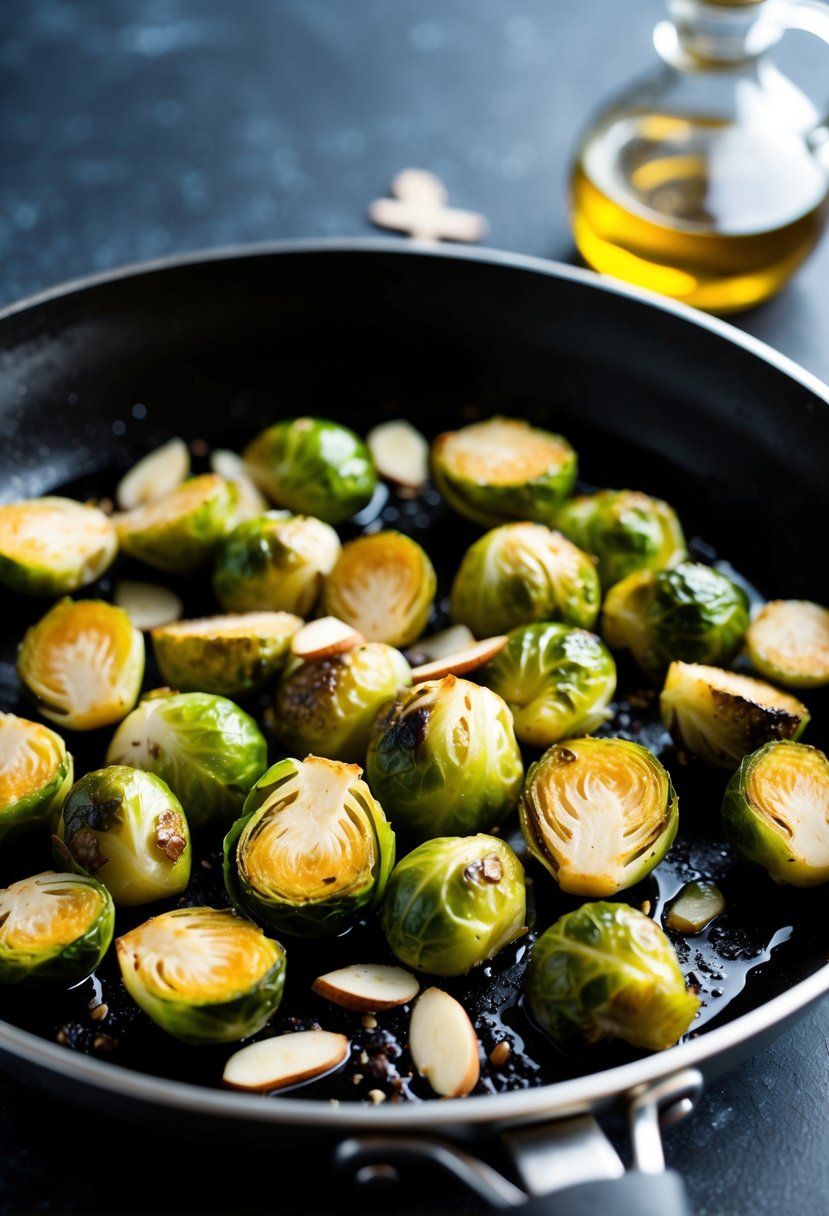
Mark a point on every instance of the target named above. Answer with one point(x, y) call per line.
point(132, 129)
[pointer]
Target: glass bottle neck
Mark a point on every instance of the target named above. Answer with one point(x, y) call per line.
point(716, 35)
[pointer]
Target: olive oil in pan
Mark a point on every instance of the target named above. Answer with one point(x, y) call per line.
point(681, 206)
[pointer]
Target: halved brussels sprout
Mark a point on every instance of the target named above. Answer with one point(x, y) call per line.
point(229, 655)
point(788, 642)
point(454, 902)
point(607, 971)
point(313, 467)
point(503, 469)
point(275, 562)
point(384, 585)
point(83, 663)
point(444, 760)
point(625, 530)
point(599, 814)
point(721, 716)
point(776, 812)
point(179, 533)
point(557, 681)
point(207, 749)
point(127, 829)
point(691, 612)
point(35, 772)
point(204, 975)
point(54, 927)
point(520, 573)
point(50, 546)
point(312, 850)
point(327, 706)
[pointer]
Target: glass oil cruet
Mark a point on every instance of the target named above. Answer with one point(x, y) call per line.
point(708, 180)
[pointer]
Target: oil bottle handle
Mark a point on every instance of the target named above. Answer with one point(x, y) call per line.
point(812, 17)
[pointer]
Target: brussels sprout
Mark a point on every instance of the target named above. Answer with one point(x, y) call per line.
point(503, 469)
point(557, 681)
point(203, 974)
point(443, 760)
point(607, 971)
point(313, 467)
point(692, 613)
point(788, 642)
point(312, 850)
point(83, 663)
point(520, 573)
point(327, 706)
point(599, 814)
point(625, 531)
point(721, 716)
point(127, 828)
point(454, 902)
point(275, 562)
point(179, 533)
point(207, 749)
point(384, 585)
point(35, 773)
point(50, 546)
point(228, 655)
point(776, 812)
point(54, 927)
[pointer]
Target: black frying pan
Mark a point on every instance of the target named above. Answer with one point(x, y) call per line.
point(653, 397)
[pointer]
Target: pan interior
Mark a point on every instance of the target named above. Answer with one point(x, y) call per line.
point(214, 351)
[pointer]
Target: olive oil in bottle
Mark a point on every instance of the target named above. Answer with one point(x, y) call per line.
point(708, 183)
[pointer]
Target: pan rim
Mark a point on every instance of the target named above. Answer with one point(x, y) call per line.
point(557, 1098)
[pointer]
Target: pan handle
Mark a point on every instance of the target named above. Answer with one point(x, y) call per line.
point(636, 1192)
point(565, 1168)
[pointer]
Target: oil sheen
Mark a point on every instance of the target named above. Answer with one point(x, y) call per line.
point(699, 210)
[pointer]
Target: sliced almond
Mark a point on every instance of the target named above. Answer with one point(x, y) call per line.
point(230, 465)
point(367, 987)
point(326, 636)
point(156, 474)
point(462, 661)
point(286, 1059)
point(148, 605)
point(400, 453)
point(453, 640)
point(443, 1043)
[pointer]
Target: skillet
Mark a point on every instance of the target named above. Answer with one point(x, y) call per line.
point(653, 396)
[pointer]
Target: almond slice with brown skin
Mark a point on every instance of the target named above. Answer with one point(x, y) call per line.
point(155, 475)
point(461, 662)
point(321, 638)
point(400, 453)
point(286, 1059)
point(367, 987)
point(443, 1043)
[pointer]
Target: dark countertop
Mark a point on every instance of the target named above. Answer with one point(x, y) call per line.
point(137, 128)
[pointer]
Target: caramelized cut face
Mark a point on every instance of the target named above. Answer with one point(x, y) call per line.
point(789, 788)
point(84, 662)
point(598, 808)
point(314, 838)
point(235, 625)
point(501, 452)
point(197, 954)
point(29, 758)
point(69, 540)
point(47, 911)
point(791, 638)
point(383, 585)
